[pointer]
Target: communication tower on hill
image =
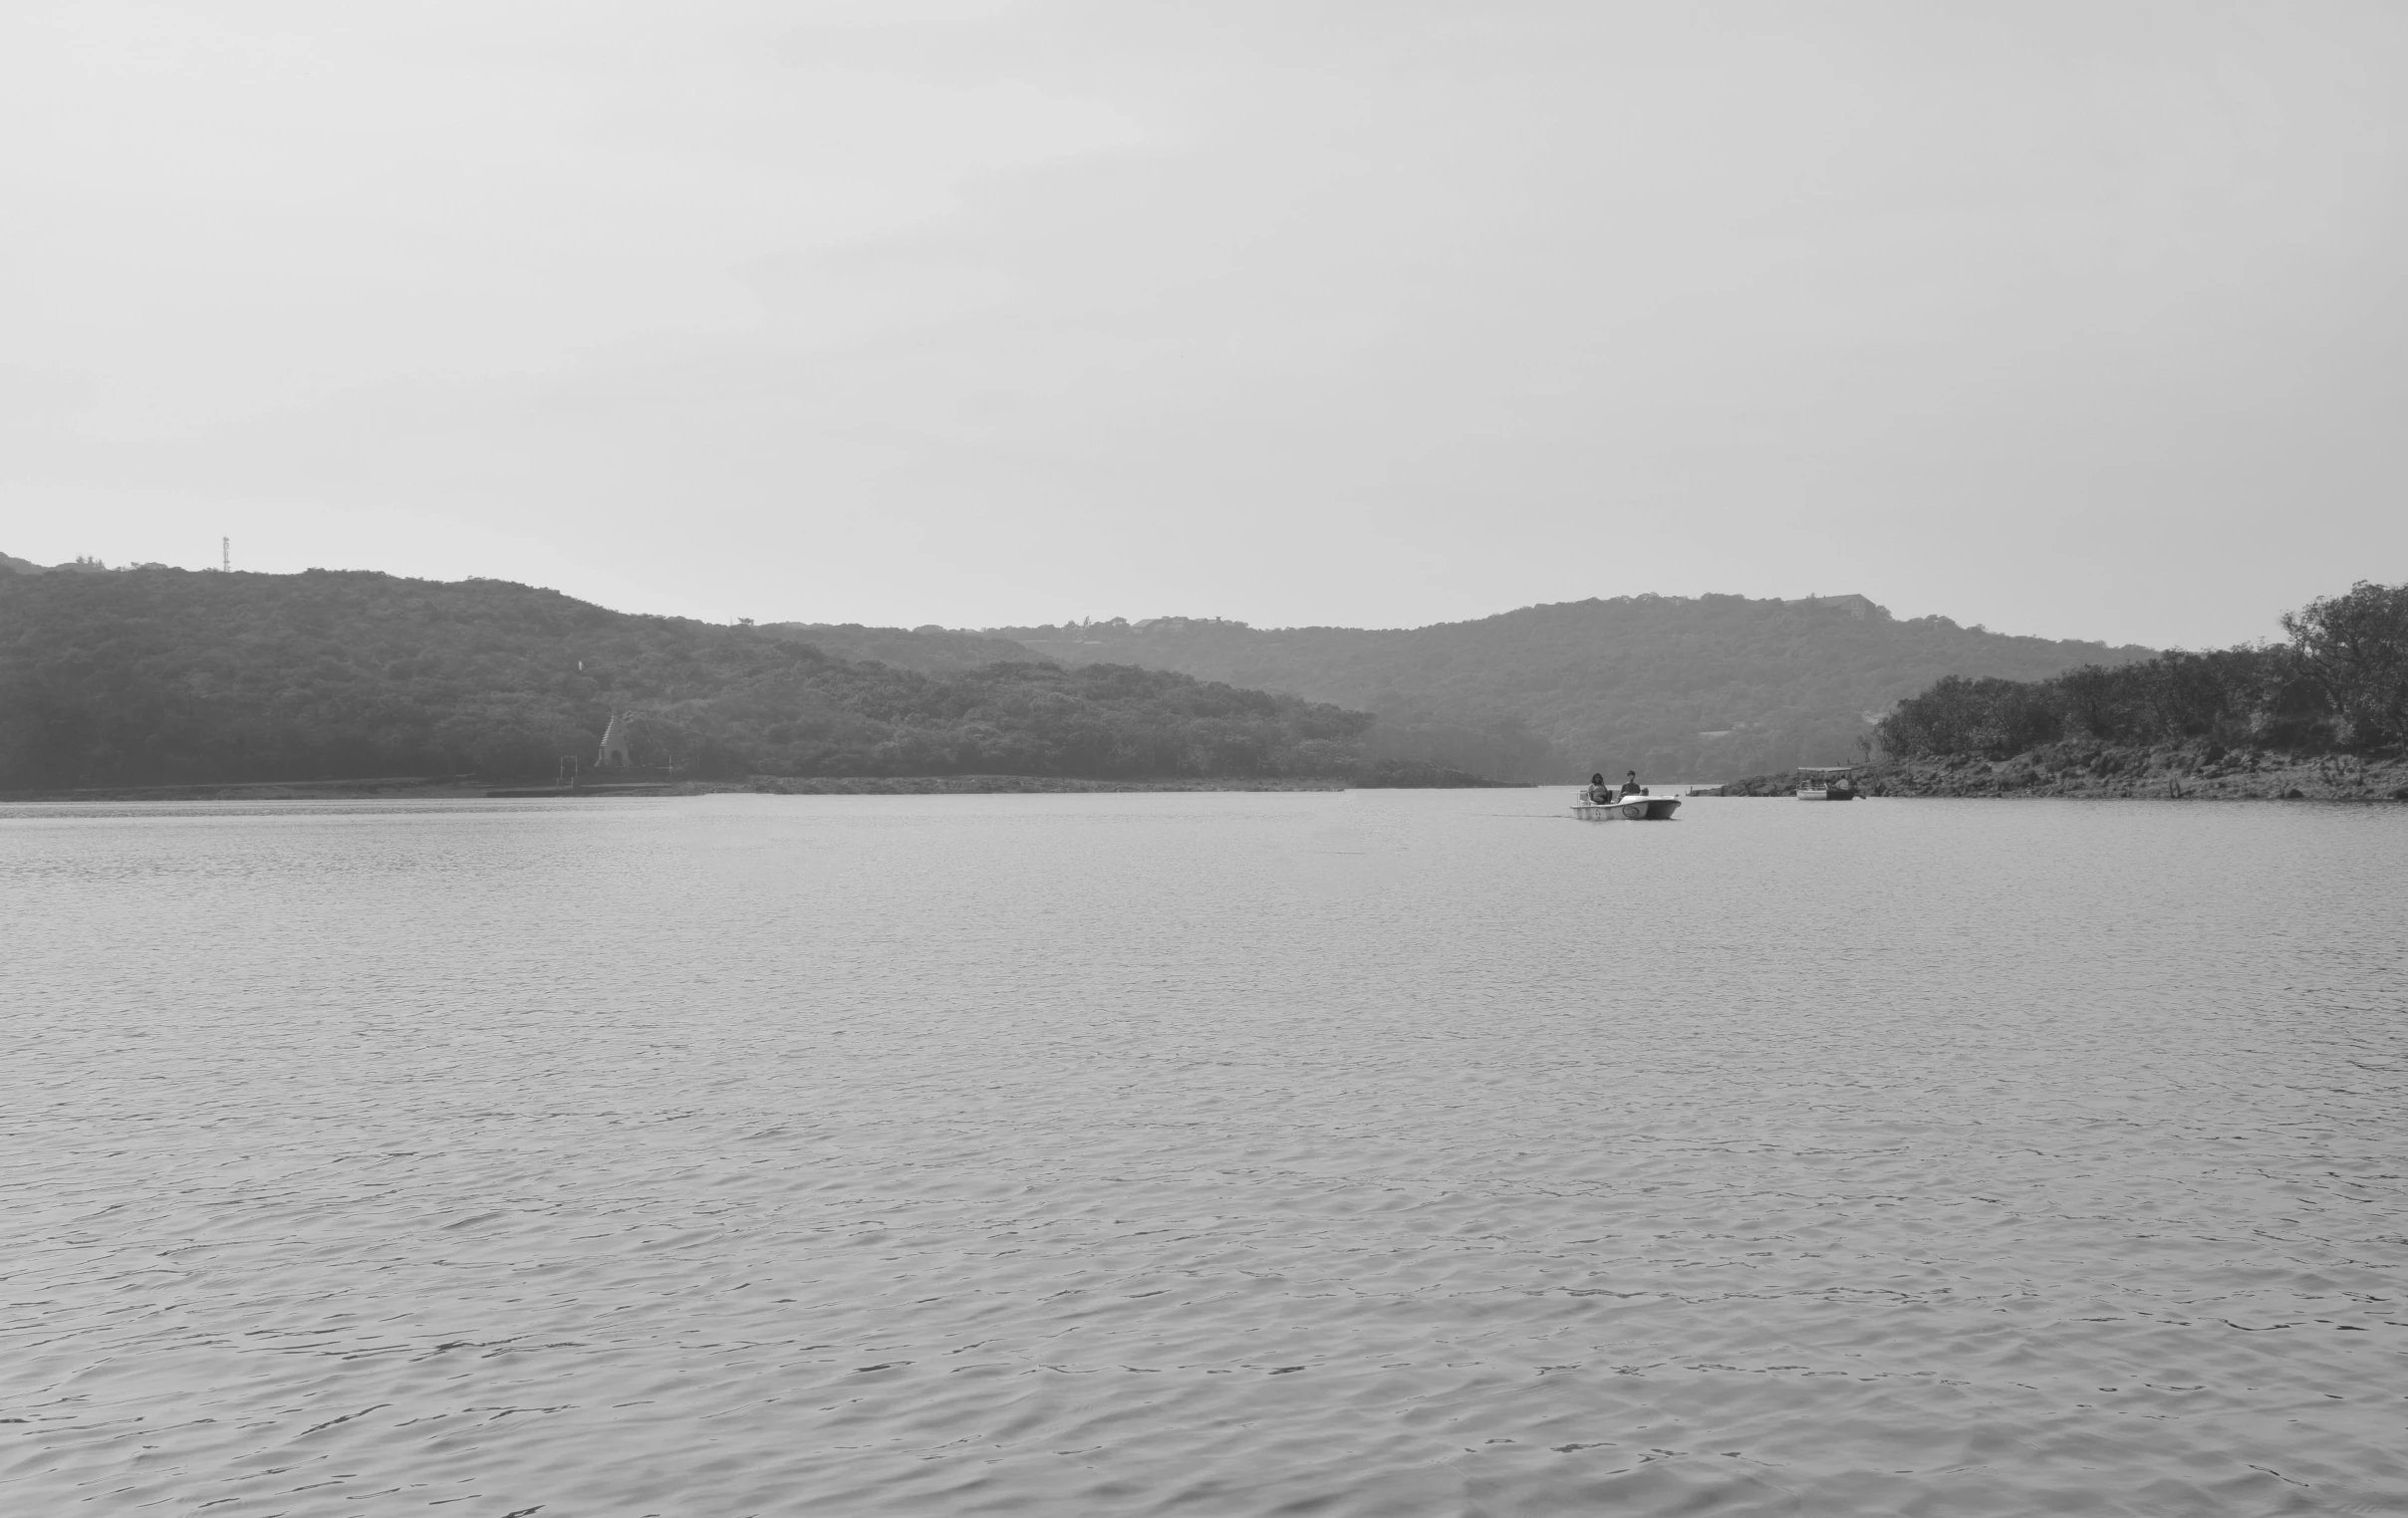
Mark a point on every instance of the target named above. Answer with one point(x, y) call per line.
point(226, 556)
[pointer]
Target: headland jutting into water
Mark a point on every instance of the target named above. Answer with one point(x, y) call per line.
point(2177, 772)
point(2321, 717)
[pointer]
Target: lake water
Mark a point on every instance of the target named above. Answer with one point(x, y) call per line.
point(1372, 1152)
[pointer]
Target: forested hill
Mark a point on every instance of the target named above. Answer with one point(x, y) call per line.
point(161, 676)
point(930, 649)
point(1677, 687)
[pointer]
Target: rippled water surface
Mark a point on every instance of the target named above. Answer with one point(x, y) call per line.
point(1337, 1153)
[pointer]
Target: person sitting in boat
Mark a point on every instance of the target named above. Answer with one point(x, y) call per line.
point(1631, 785)
point(1599, 791)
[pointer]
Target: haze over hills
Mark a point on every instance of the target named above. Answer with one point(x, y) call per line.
point(1704, 688)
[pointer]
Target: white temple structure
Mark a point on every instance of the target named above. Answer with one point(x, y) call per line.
point(614, 745)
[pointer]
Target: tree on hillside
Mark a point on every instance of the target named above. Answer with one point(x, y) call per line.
point(2356, 647)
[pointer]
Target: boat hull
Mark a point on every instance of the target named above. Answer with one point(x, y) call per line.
point(1636, 809)
point(1826, 794)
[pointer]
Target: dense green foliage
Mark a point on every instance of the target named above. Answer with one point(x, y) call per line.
point(2340, 683)
point(1675, 687)
point(157, 676)
point(2355, 648)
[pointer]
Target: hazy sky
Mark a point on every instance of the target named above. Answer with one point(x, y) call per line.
point(2082, 319)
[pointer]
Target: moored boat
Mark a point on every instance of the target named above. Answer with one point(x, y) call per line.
point(1826, 782)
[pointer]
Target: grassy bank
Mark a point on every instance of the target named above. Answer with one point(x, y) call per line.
point(2173, 771)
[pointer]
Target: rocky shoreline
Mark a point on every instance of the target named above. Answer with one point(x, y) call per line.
point(2175, 772)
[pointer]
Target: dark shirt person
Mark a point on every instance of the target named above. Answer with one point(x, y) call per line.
point(1631, 785)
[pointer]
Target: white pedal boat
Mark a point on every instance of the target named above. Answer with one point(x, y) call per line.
point(1640, 808)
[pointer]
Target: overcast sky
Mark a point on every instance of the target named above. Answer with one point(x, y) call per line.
point(2078, 319)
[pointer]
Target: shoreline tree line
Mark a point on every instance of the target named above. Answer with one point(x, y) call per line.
point(2337, 682)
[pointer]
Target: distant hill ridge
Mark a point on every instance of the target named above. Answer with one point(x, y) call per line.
point(929, 649)
point(1707, 687)
point(167, 675)
point(1692, 687)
